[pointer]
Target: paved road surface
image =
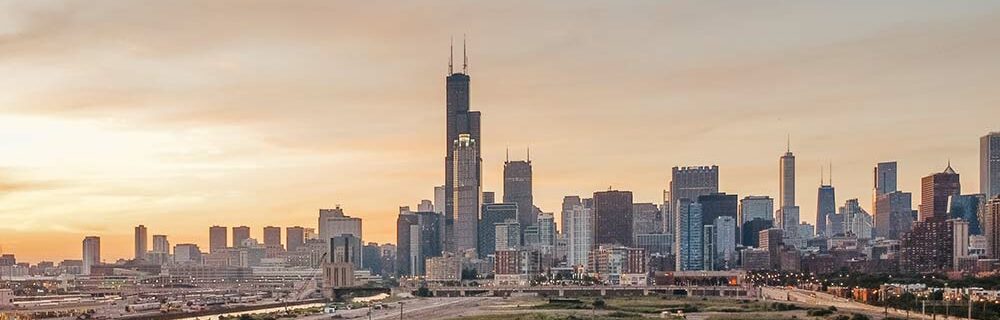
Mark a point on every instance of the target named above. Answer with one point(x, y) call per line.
point(825, 299)
point(425, 308)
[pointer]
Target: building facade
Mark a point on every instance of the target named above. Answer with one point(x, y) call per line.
point(91, 254)
point(935, 190)
point(580, 231)
point(217, 238)
point(989, 165)
point(517, 190)
point(688, 243)
point(893, 214)
point(691, 182)
point(493, 213)
point(613, 217)
point(466, 189)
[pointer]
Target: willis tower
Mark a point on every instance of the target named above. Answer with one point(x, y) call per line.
point(463, 163)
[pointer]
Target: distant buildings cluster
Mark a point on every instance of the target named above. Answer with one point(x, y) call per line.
point(465, 233)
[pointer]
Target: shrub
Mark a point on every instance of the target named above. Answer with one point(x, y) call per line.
point(858, 316)
point(819, 312)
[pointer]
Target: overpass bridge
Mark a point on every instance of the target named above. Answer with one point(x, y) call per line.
point(581, 291)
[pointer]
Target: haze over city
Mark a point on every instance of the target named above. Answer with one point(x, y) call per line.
point(179, 116)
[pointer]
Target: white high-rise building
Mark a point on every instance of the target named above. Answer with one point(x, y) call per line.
point(91, 253)
point(580, 234)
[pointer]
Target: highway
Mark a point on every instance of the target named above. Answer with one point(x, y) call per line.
point(826, 299)
point(424, 308)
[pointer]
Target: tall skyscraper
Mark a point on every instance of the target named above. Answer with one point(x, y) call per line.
point(407, 230)
point(517, 189)
point(240, 234)
point(885, 177)
point(579, 231)
point(295, 237)
point(891, 208)
point(935, 190)
point(333, 222)
point(217, 237)
point(141, 244)
point(991, 227)
point(272, 237)
point(893, 214)
point(826, 205)
point(786, 186)
point(467, 192)
point(688, 242)
point(787, 217)
point(989, 165)
point(613, 217)
point(567, 205)
point(691, 182)
point(462, 131)
point(91, 253)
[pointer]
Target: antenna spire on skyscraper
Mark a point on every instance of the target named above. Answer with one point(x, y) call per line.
point(788, 143)
point(465, 57)
point(529, 154)
point(451, 57)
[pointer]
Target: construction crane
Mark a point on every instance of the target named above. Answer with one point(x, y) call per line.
point(309, 286)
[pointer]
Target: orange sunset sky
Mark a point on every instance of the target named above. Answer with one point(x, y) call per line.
point(184, 114)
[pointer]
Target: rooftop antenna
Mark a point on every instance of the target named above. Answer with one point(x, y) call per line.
point(821, 175)
point(788, 143)
point(831, 172)
point(451, 57)
point(465, 57)
point(529, 154)
point(508, 154)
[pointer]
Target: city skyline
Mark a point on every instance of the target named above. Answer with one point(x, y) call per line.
point(178, 161)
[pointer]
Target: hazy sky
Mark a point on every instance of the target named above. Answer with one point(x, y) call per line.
point(180, 115)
